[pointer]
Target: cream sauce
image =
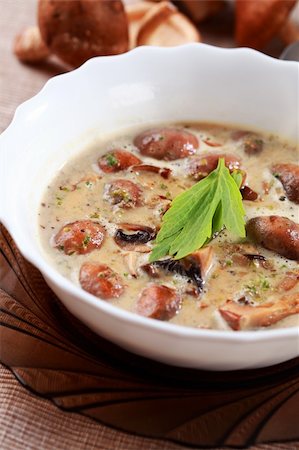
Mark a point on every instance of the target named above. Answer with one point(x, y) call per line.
point(78, 193)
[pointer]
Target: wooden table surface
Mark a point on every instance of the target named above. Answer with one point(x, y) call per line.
point(26, 421)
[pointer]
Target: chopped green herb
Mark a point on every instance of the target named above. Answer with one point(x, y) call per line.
point(111, 160)
point(264, 284)
point(86, 241)
point(198, 213)
point(59, 200)
point(255, 287)
point(64, 188)
point(94, 215)
point(120, 195)
point(163, 186)
point(251, 288)
point(88, 184)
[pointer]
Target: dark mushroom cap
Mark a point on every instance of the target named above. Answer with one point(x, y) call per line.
point(76, 30)
point(130, 236)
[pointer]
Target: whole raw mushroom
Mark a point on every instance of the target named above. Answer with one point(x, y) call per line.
point(76, 30)
point(258, 21)
point(29, 46)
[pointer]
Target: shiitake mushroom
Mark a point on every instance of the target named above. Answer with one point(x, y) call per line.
point(76, 30)
point(184, 267)
point(132, 236)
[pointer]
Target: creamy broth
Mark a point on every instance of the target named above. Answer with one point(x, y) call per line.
point(80, 192)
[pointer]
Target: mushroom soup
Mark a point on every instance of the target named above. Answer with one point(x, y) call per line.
point(102, 216)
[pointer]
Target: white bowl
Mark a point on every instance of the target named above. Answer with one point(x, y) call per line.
point(189, 83)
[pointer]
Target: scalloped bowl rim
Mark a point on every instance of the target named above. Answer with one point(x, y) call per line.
point(32, 254)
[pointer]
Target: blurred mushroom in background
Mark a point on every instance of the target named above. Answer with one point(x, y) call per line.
point(76, 30)
point(258, 21)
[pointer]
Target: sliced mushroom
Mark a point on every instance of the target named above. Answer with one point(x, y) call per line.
point(254, 257)
point(288, 175)
point(101, 281)
point(80, 237)
point(240, 259)
point(207, 162)
point(160, 204)
point(117, 160)
point(29, 46)
point(243, 255)
point(158, 302)
point(244, 317)
point(164, 26)
point(258, 21)
point(244, 248)
point(169, 265)
point(279, 234)
point(152, 270)
point(259, 260)
point(289, 281)
point(248, 194)
point(205, 260)
point(123, 193)
point(166, 143)
point(252, 143)
point(163, 171)
point(130, 260)
point(89, 179)
point(133, 237)
point(194, 267)
point(210, 143)
point(78, 30)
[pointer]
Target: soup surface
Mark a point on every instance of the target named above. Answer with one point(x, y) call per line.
point(100, 216)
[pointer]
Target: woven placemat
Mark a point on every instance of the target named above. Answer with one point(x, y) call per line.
point(55, 356)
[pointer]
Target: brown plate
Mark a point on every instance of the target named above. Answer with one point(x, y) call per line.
point(56, 356)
